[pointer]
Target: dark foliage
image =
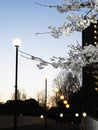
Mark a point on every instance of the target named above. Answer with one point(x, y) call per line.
point(27, 107)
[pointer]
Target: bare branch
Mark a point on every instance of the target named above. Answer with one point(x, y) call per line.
point(49, 6)
point(42, 33)
point(42, 62)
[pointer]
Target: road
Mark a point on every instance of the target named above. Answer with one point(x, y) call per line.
point(48, 127)
point(33, 123)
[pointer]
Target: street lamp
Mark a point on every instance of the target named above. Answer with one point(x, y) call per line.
point(67, 106)
point(84, 114)
point(17, 43)
point(65, 102)
point(56, 91)
point(45, 101)
point(62, 97)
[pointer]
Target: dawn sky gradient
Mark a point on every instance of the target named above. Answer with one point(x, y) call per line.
point(22, 19)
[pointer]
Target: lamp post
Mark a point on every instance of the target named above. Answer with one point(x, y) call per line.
point(56, 91)
point(16, 43)
point(45, 101)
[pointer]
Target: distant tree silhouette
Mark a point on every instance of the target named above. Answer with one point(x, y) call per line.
point(21, 94)
point(67, 82)
point(41, 97)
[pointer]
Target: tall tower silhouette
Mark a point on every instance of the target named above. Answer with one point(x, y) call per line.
point(90, 73)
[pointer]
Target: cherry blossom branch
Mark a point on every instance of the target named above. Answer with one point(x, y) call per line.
point(76, 22)
point(29, 56)
point(69, 7)
point(78, 58)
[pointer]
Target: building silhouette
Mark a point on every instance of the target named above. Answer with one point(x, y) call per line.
point(90, 35)
point(89, 88)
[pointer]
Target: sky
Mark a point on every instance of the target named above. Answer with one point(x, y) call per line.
point(22, 19)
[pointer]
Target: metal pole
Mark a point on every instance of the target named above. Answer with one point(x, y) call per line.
point(45, 102)
point(16, 79)
point(16, 75)
point(56, 108)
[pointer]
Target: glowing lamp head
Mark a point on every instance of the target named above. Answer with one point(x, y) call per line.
point(17, 42)
point(61, 115)
point(84, 114)
point(76, 114)
point(67, 106)
point(62, 97)
point(56, 90)
point(65, 102)
point(45, 76)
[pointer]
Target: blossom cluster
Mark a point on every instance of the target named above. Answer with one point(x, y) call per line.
point(78, 57)
point(87, 13)
point(81, 13)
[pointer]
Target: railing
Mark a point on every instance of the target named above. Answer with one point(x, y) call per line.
point(89, 123)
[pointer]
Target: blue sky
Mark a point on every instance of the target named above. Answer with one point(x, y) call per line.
point(22, 19)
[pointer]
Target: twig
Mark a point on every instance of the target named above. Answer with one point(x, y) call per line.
point(33, 57)
point(49, 6)
point(42, 33)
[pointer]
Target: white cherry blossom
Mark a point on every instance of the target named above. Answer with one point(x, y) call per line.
point(78, 57)
point(79, 14)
